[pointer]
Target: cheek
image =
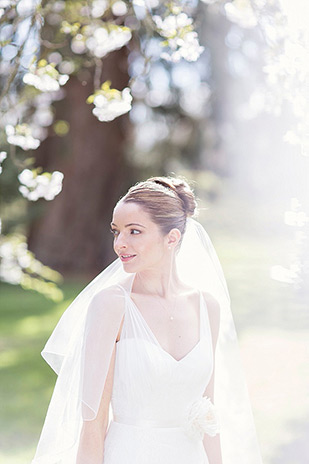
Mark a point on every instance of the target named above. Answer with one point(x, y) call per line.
point(157, 249)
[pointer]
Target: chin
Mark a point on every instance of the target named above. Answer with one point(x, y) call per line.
point(129, 268)
point(128, 271)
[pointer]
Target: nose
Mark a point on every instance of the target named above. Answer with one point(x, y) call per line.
point(120, 243)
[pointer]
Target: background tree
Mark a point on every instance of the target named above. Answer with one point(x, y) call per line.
point(56, 54)
point(61, 41)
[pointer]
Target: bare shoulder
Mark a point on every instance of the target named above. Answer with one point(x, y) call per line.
point(108, 300)
point(213, 309)
point(212, 305)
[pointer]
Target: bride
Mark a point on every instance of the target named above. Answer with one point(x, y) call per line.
point(137, 351)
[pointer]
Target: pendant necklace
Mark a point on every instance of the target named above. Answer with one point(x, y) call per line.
point(171, 317)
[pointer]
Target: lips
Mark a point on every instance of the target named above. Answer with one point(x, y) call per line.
point(125, 258)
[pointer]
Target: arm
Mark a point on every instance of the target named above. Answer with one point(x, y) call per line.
point(212, 444)
point(91, 445)
point(103, 328)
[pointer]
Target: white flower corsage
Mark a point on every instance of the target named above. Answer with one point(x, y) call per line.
point(202, 418)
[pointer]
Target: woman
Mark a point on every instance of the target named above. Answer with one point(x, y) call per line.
point(142, 337)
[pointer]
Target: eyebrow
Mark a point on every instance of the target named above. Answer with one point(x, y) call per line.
point(131, 224)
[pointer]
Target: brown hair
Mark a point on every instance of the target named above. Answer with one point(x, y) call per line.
point(168, 200)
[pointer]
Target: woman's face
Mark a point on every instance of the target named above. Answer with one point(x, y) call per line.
point(138, 241)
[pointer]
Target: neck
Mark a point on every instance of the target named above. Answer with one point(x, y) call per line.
point(161, 282)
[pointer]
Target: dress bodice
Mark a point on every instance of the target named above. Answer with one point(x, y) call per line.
point(151, 387)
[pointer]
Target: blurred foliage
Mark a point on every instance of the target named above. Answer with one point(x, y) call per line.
point(44, 44)
point(255, 49)
point(19, 266)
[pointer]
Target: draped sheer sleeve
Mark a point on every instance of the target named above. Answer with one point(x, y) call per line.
point(79, 350)
point(103, 322)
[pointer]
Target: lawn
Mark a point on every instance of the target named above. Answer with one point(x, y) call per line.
point(27, 319)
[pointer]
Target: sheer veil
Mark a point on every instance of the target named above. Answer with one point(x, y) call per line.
point(80, 348)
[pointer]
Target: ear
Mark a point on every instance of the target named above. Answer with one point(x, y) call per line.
point(173, 238)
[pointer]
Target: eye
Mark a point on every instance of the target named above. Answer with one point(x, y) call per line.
point(135, 231)
point(115, 232)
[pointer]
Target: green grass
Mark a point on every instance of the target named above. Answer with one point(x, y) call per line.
point(27, 319)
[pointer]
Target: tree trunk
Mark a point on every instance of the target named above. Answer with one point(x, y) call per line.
point(71, 236)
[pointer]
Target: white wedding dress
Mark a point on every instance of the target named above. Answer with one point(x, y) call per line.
point(158, 410)
point(157, 401)
point(153, 393)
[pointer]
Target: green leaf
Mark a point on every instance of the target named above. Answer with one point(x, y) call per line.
point(90, 99)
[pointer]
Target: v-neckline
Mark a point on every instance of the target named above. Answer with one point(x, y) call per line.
point(156, 339)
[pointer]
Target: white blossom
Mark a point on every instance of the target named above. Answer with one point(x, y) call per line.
point(296, 219)
point(98, 8)
point(58, 6)
point(295, 216)
point(292, 137)
point(283, 274)
point(103, 40)
point(187, 48)
point(3, 155)
point(241, 12)
point(67, 67)
point(18, 266)
point(78, 45)
point(21, 135)
point(25, 7)
point(45, 77)
point(5, 3)
point(10, 271)
point(172, 24)
point(202, 418)
point(149, 4)
point(181, 40)
point(36, 186)
point(119, 8)
point(43, 116)
point(111, 103)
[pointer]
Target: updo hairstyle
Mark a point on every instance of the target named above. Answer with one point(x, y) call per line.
point(168, 201)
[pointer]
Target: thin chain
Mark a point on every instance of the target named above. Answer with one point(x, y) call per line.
point(171, 317)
